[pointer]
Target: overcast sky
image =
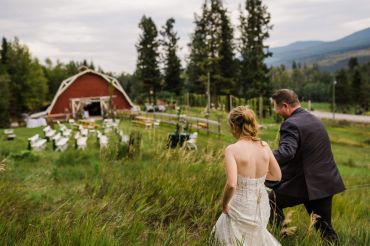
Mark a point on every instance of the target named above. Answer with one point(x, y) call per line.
point(106, 31)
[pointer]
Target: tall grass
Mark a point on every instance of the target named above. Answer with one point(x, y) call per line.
point(161, 197)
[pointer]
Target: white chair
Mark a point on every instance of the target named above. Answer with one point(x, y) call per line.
point(36, 143)
point(46, 129)
point(10, 135)
point(81, 143)
point(84, 132)
point(50, 134)
point(66, 132)
point(156, 123)
point(56, 137)
point(103, 141)
point(192, 142)
point(124, 139)
point(60, 143)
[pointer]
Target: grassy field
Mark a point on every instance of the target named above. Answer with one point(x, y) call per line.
point(162, 197)
point(319, 106)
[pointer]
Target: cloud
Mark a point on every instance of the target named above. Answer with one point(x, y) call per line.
point(106, 31)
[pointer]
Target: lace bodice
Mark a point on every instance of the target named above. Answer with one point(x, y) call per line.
point(250, 183)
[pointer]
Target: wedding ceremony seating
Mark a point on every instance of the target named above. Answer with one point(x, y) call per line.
point(60, 143)
point(10, 135)
point(192, 142)
point(36, 143)
point(81, 143)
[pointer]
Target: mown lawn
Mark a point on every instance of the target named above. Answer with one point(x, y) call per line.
point(162, 197)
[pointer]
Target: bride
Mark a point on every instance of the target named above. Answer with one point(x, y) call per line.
point(245, 202)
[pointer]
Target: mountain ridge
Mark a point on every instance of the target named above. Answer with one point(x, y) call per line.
point(309, 52)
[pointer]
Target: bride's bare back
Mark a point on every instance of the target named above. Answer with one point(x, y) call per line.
point(252, 158)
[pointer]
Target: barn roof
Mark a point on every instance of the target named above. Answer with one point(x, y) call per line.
point(69, 81)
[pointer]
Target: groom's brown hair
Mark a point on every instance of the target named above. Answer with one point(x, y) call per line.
point(285, 96)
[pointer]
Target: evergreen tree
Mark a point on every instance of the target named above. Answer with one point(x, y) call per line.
point(197, 64)
point(129, 83)
point(211, 51)
point(4, 98)
point(71, 68)
point(352, 63)
point(28, 85)
point(226, 83)
point(358, 86)
point(343, 95)
point(4, 51)
point(172, 64)
point(254, 29)
point(147, 63)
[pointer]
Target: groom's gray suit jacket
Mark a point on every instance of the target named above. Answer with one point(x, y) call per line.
point(305, 158)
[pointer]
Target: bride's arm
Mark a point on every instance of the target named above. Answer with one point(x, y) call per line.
point(232, 178)
point(274, 172)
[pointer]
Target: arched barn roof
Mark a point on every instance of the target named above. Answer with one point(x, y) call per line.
point(69, 81)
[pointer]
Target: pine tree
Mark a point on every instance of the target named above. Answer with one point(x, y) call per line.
point(4, 95)
point(198, 59)
point(147, 64)
point(357, 86)
point(172, 64)
point(357, 82)
point(254, 29)
point(4, 51)
point(352, 63)
point(212, 51)
point(343, 95)
point(226, 85)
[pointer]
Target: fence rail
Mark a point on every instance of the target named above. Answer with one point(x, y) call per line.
point(197, 123)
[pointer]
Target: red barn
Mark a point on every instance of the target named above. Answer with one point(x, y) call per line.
point(88, 91)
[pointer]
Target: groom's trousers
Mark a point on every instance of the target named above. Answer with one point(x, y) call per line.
point(321, 207)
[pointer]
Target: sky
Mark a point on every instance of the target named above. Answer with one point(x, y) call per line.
point(106, 31)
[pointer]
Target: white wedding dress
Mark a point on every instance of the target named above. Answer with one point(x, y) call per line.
point(248, 216)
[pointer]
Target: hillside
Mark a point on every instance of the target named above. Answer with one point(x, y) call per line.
point(330, 56)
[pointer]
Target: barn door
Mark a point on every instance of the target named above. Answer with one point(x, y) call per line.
point(104, 105)
point(76, 107)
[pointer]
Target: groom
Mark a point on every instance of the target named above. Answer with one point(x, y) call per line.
point(309, 172)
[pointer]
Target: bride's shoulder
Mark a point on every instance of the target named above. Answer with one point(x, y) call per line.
point(230, 148)
point(264, 144)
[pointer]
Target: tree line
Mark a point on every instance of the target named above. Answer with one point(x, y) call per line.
point(234, 65)
point(219, 61)
point(351, 85)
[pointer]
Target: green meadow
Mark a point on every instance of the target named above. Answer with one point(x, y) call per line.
point(161, 196)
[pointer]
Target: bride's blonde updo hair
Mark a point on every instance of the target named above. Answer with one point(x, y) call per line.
point(243, 123)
